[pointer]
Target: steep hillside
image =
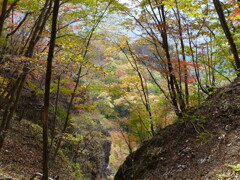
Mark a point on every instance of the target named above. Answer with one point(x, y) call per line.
point(21, 155)
point(84, 152)
point(203, 145)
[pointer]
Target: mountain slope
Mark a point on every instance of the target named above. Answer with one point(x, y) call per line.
point(21, 155)
point(199, 146)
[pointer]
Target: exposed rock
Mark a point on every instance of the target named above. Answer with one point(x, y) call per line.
point(92, 152)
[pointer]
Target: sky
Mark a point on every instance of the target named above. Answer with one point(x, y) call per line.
point(124, 1)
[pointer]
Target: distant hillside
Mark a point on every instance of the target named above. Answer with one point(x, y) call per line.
point(203, 145)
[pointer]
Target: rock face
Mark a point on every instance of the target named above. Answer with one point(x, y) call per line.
point(91, 150)
point(202, 145)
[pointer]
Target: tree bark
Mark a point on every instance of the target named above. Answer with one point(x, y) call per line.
point(3, 13)
point(228, 34)
point(176, 94)
point(47, 90)
point(38, 28)
point(53, 123)
point(183, 56)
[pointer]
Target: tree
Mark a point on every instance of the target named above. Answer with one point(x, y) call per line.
point(79, 74)
point(181, 45)
point(227, 32)
point(4, 13)
point(47, 89)
point(13, 96)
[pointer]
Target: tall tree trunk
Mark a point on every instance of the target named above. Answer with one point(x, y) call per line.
point(38, 28)
point(53, 123)
point(183, 56)
point(47, 89)
point(11, 106)
point(17, 92)
point(176, 94)
point(228, 34)
point(5, 116)
point(3, 13)
point(66, 123)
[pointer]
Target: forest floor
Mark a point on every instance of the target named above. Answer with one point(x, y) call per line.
point(21, 155)
point(203, 145)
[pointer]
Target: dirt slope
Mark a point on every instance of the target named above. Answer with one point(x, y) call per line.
point(21, 155)
point(200, 146)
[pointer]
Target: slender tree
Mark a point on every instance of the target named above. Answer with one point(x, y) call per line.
point(79, 75)
point(228, 34)
point(3, 14)
point(47, 89)
point(10, 104)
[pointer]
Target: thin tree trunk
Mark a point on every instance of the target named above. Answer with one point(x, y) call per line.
point(40, 24)
point(174, 87)
point(17, 92)
point(9, 108)
point(19, 25)
point(14, 106)
point(195, 64)
point(183, 55)
point(53, 133)
point(228, 34)
point(3, 13)
point(144, 90)
point(47, 90)
point(78, 80)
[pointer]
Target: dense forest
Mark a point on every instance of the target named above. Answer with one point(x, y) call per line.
point(86, 83)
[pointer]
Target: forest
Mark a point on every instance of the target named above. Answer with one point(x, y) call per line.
point(90, 86)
